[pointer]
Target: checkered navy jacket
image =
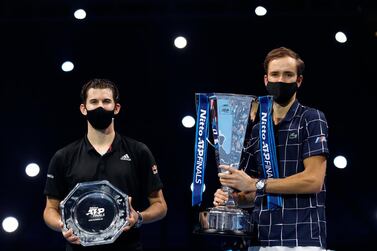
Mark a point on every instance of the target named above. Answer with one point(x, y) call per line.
point(301, 221)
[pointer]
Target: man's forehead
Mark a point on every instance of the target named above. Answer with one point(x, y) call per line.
point(99, 92)
point(283, 64)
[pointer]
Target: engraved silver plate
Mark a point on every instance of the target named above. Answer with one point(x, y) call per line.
point(96, 212)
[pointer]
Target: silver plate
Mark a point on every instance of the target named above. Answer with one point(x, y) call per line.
point(96, 212)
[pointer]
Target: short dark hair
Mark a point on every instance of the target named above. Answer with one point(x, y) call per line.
point(284, 52)
point(99, 83)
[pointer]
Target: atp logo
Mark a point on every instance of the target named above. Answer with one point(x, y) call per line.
point(96, 212)
point(225, 109)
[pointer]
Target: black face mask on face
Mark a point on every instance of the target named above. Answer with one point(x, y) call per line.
point(100, 118)
point(281, 91)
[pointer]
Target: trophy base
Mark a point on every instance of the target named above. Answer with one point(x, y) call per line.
point(225, 220)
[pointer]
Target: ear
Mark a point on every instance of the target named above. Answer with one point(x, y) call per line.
point(117, 108)
point(299, 80)
point(265, 80)
point(83, 110)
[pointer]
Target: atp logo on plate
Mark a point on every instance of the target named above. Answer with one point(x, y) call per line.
point(96, 213)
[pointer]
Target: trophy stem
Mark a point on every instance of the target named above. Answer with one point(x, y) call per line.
point(230, 202)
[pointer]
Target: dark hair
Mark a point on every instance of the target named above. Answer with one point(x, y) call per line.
point(99, 83)
point(284, 52)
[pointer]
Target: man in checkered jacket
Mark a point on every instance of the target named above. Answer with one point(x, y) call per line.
point(301, 145)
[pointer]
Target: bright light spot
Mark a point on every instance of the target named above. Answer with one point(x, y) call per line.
point(80, 14)
point(188, 121)
point(32, 170)
point(340, 162)
point(192, 187)
point(341, 37)
point(180, 42)
point(67, 66)
point(260, 11)
point(10, 224)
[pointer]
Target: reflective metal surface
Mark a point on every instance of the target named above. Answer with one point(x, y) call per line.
point(231, 114)
point(96, 212)
point(230, 117)
point(226, 220)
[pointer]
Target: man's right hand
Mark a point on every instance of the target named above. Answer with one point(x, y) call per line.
point(69, 236)
point(220, 197)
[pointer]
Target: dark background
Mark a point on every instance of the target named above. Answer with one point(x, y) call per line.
point(131, 43)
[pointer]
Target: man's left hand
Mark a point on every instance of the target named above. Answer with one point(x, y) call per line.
point(132, 218)
point(237, 179)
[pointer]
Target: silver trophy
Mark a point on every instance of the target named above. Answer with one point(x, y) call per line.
point(230, 117)
point(96, 212)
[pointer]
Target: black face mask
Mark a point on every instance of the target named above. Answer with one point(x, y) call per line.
point(100, 118)
point(281, 91)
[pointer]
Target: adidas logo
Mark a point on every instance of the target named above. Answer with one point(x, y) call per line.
point(125, 157)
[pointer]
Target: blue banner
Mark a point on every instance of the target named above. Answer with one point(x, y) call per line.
point(268, 147)
point(202, 121)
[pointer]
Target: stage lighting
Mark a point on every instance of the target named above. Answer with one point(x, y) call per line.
point(341, 37)
point(10, 224)
point(260, 11)
point(80, 14)
point(67, 66)
point(32, 170)
point(340, 162)
point(188, 121)
point(180, 42)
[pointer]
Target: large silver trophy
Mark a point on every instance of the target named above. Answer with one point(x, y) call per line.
point(96, 212)
point(230, 117)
